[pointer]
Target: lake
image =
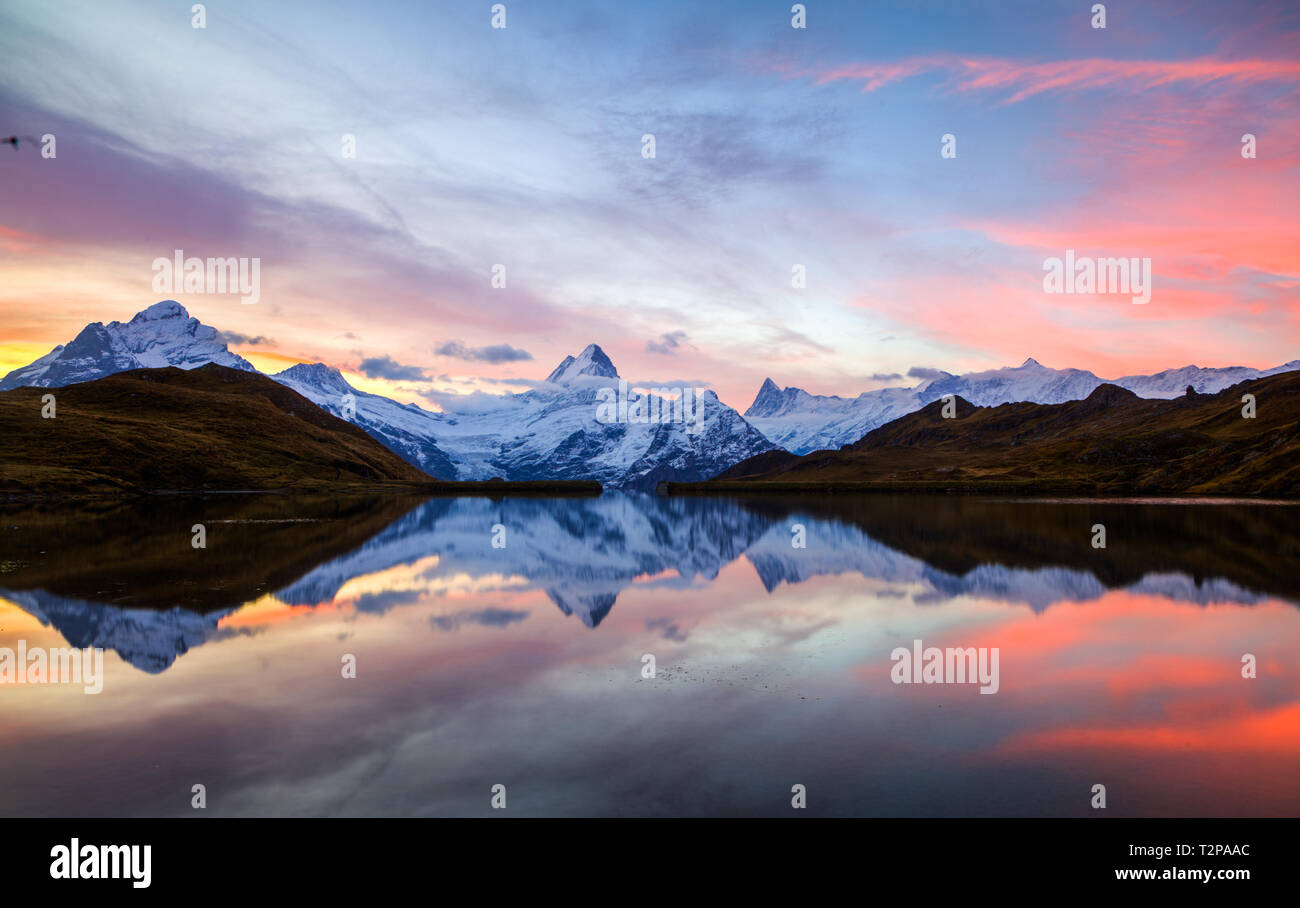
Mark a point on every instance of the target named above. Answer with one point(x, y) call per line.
point(640, 655)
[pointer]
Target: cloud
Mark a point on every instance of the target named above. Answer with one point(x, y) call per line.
point(701, 157)
point(378, 603)
point(667, 343)
point(1019, 80)
point(387, 367)
point(487, 617)
point(885, 376)
point(246, 340)
point(924, 372)
point(669, 628)
point(474, 402)
point(493, 353)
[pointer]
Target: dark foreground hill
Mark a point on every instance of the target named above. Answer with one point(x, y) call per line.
point(1112, 442)
point(205, 429)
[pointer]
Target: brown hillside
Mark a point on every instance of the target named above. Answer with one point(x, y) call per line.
point(205, 429)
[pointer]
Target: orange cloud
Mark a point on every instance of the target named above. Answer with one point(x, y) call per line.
point(1275, 731)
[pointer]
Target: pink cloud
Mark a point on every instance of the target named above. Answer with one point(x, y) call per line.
point(1023, 80)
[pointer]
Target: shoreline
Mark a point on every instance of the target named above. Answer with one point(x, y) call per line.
point(563, 488)
point(938, 487)
point(487, 488)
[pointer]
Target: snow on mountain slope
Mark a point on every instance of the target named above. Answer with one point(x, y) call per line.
point(591, 361)
point(558, 434)
point(162, 335)
point(1174, 382)
point(547, 433)
point(405, 429)
point(805, 422)
point(801, 422)
point(1028, 381)
point(552, 432)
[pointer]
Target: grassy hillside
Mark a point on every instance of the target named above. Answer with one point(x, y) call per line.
point(210, 428)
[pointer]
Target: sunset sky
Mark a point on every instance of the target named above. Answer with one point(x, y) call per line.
point(775, 146)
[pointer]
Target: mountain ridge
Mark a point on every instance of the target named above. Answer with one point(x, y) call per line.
point(801, 422)
point(1111, 442)
point(548, 433)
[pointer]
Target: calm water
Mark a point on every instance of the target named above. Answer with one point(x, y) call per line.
point(522, 665)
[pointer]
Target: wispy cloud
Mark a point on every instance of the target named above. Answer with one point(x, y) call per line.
point(246, 340)
point(493, 353)
point(1019, 80)
point(667, 343)
point(486, 617)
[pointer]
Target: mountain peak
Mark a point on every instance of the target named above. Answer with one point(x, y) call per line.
point(591, 361)
point(162, 335)
point(768, 401)
point(161, 310)
point(316, 375)
point(1031, 362)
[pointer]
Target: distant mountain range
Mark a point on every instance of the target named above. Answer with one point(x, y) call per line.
point(551, 432)
point(801, 422)
point(547, 433)
point(1110, 442)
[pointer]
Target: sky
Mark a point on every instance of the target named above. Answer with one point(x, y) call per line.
point(774, 147)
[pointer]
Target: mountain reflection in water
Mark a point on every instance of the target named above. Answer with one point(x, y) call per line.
point(769, 655)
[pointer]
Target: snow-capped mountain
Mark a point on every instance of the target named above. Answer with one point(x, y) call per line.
point(162, 335)
point(801, 422)
point(591, 361)
point(1030, 381)
point(1174, 382)
point(551, 432)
